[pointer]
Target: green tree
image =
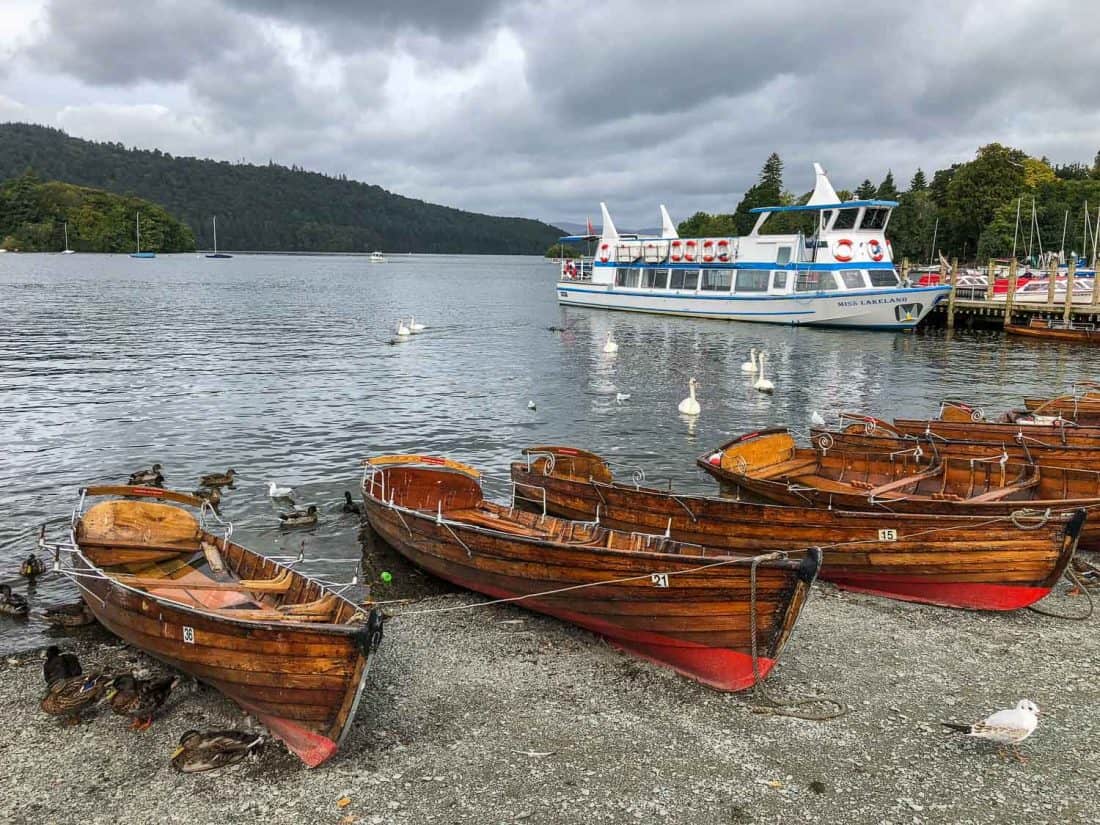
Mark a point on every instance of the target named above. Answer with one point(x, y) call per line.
point(767, 191)
point(997, 175)
point(887, 191)
point(918, 183)
point(866, 190)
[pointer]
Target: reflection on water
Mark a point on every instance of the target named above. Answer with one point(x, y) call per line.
point(278, 367)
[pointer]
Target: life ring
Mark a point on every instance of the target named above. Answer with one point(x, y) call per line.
point(845, 257)
point(723, 250)
point(605, 252)
point(874, 249)
point(689, 251)
point(708, 251)
point(570, 270)
point(677, 251)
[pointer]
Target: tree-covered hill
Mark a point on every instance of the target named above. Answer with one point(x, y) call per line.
point(33, 215)
point(266, 207)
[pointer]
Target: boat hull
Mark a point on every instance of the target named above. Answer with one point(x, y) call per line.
point(901, 308)
point(943, 560)
point(1067, 336)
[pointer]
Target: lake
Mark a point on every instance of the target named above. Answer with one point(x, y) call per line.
point(279, 367)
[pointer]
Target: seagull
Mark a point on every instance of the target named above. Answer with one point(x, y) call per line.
point(531, 405)
point(620, 397)
point(1005, 727)
point(275, 491)
point(816, 419)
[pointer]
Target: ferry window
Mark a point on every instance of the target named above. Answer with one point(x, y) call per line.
point(779, 280)
point(677, 279)
point(815, 281)
point(874, 218)
point(752, 280)
point(852, 278)
point(621, 276)
point(825, 215)
point(655, 278)
point(691, 279)
point(884, 277)
point(783, 256)
point(846, 219)
point(717, 280)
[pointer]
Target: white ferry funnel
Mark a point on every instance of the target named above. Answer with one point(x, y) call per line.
point(823, 189)
point(668, 228)
point(609, 231)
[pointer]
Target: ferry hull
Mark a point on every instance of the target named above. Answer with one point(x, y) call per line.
point(901, 308)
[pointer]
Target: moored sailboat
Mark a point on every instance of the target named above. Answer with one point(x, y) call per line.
point(138, 253)
point(217, 254)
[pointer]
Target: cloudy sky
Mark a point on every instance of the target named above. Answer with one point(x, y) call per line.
point(542, 109)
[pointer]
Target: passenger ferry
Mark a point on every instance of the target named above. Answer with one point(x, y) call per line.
point(840, 276)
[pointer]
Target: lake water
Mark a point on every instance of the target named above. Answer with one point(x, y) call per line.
point(278, 366)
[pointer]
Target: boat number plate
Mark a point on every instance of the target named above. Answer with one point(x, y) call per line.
point(188, 635)
point(659, 579)
point(887, 535)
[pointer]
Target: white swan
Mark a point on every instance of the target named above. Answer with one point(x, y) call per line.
point(275, 491)
point(402, 330)
point(689, 406)
point(609, 345)
point(763, 384)
point(750, 365)
point(415, 327)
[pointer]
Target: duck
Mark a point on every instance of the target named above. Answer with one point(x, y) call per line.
point(13, 604)
point(349, 504)
point(214, 749)
point(139, 699)
point(415, 327)
point(75, 614)
point(690, 406)
point(60, 666)
point(218, 479)
point(402, 330)
point(72, 696)
point(32, 567)
point(299, 518)
point(609, 346)
point(762, 384)
point(213, 495)
point(750, 365)
point(148, 478)
point(275, 491)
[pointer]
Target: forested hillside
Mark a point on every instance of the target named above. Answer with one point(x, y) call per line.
point(266, 207)
point(33, 216)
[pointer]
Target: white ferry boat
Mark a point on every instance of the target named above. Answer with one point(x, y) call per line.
point(840, 276)
point(377, 257)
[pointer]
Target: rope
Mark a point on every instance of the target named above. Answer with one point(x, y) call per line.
point(1070, 574)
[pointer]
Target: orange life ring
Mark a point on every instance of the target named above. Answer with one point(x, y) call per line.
point(874, 249)
point(689, 250)
point(605, 252)
point(846, 256)
point(708, 251)
point(677, 251)
point(723, 250)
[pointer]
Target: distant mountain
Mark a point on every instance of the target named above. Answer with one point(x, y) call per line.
point(33, 215)
point(267, 207)
point(572, 228)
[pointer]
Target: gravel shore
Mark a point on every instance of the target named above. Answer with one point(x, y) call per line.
point(498, 715)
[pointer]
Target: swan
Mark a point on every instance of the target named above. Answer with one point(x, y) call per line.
point(402, 330)
point(763, 384)
point(750, 365)
point(609, 345)
point(275, 491)
point(689, 406)
point(415, 327)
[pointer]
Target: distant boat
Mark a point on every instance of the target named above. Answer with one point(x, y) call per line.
point(139, 253)
point(66, 250)
point(377, 258)
point(217, 254)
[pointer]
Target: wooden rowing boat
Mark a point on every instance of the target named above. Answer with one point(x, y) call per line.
point(1082, 410)
point(770, 466)
point(690, 608)
point(955, 561)
point(957, 421)
point(287, 649)
point(1057, 331)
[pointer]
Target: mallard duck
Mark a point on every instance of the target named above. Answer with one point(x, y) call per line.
point(60, 666)
point(349, 505)
point(218, 479)
point(70, 697)
point(148, 478)
point(75, 614)
point(12, 604)
point(139, 698)
point(214, 749)
point(299, 518)
point(212, 495)
point(32, 567)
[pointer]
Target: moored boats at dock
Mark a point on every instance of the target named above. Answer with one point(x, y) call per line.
point(839, 274)
point(719, 617)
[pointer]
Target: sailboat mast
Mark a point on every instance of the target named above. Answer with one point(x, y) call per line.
point(215, 234)
point(66, 235)
point(1062, 249)
point(137, 223)
point(1016, 231)
point(932, 251)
